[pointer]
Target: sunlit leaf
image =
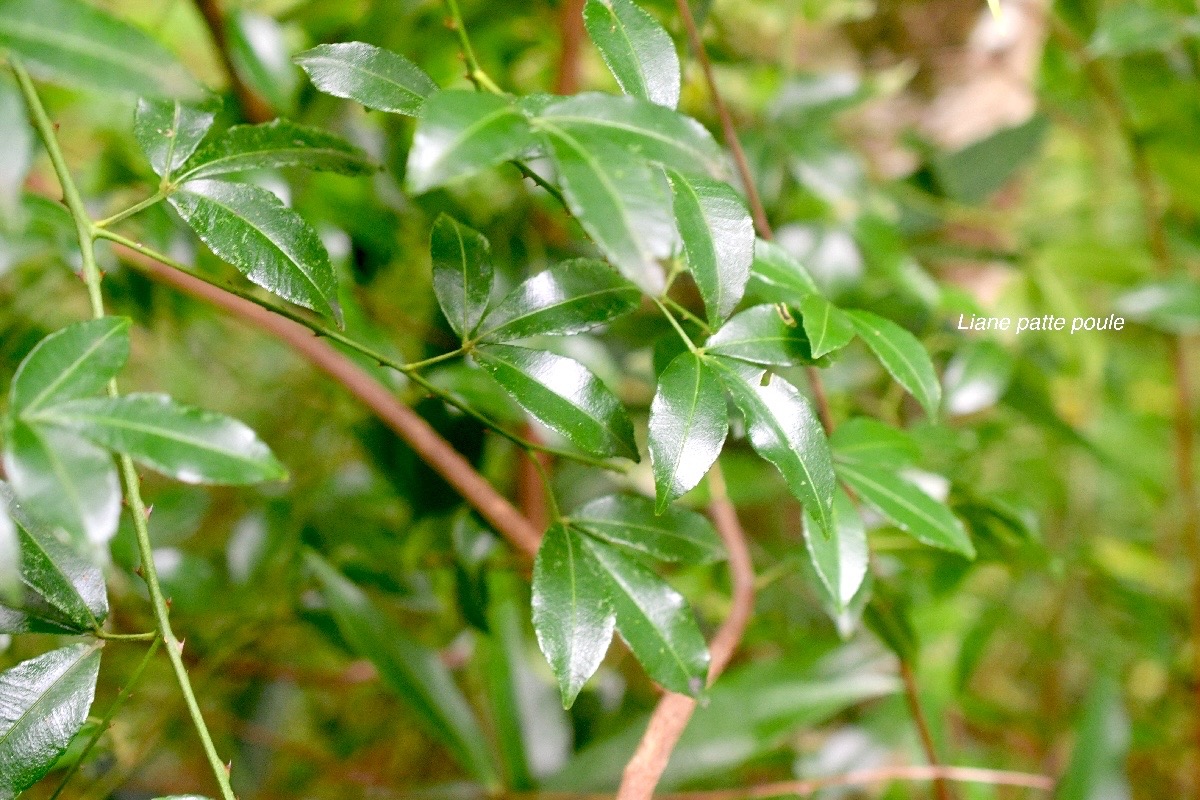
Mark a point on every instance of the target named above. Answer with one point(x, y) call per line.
point(761, 335)
point(840, 557)
point(638, 52)
point(688, 424)
point(366, 74)
point(461, 133)
point(274, 144)
point(630, 522)
point(169, 131)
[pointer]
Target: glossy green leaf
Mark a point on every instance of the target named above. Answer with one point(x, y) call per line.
point(462, 273)
point(570, 297)
point(366, 74)
point(653, 619)
point(189, 444)
point(169, 131)
point(43, 703)
point(620, 201)
point(910, 508)
point(761, 336)
point(267, 241)
point(410, 669)
point(871, 443)
point(274, 144)
point(641, 128)
point(827, 326)
point(572, 615)
point(461, 133)
point(638, 52)
point(70, 363)
point(689, 420)
point(840, 557)
point(784, 430)
point(564, 396)
point(1172, 305)
point(902, 355)
point(65, 481)
point(73, 43)
point(631, 522)
point(777, 276)
point(718, 240)
point(977, 377)
point(63, 590)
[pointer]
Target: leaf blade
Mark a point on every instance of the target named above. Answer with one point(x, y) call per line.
point(462, 273)
point(827, 326)
point(631, 522)
point(75, 361)
point(760, 335)
point(689, 421)
point(636, 49)
point(274, 144)
point(168, 132)
point(840, 558)
point(372, 76)
point(902, 356)
point(911, 509)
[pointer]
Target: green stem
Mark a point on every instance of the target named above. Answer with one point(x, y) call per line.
point(551, 500)
point(122, 697)
point(688, 315)
point(410, 370)
point(149, 636)
point(675, 324)
point(137, 208)
point(87, 232)
point(475, 72)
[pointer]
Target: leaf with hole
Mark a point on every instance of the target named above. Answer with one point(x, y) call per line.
point(564, 396)
point(169, 131)
point(638, 52)
point(43, 703)
point(689, 420)
point(411, 670)
point(462, 273)
point(70, 363)
point(631, 522)
point(570, 297)
point(268, 242)
point(902, 355)
point(73, 43)
point(188, 444)
point(827, 326)
point(908, 506)
point(620, 201)
point(62, 589)
point(840, 557)
point(272, 145)
point(377, 78)
point(718, 240)
point(784, 430)
point(461, 133)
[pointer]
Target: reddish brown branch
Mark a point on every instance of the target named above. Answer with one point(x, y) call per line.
point(254, 108)
point(673, 712)
point(913, 696)
point(570, 54)
point(410, 427)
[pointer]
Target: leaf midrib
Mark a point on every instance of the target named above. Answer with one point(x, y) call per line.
point(84, 654)
point(83, 45)
point(62, 377)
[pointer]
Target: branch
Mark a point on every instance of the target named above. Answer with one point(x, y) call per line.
point(571, 33)
point(254, 108)
point(429, 446)
point(673, 712)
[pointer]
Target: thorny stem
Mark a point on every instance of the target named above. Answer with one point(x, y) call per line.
point(410, 370)
point(86, 232)
point(763, 226)
point(122, 697)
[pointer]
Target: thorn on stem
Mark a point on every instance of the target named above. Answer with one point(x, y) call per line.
point(149, 510)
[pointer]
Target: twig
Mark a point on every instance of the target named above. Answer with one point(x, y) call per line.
point(673, 711)
point(429, 446)
point(570, 34)
point(254, 108)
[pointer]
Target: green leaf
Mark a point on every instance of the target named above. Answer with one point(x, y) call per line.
point(840, 557)
point(868, 442)
point(17, 142)
point(977, 377)
point(169, 131)
point(827, 326)
point(70, 363)
point(410, 669)
point(258, 50)
point(10, 563)
point(902, 355)
point(268, 242)
point(64, 481)
point(653, 619)
point(461, 133)
point(971, 174)
point(570, 297)
point(63, 590)
point(784, 430)
point(1172, 306)
point(638, 52)
point(621, 202)
point(46, 702)
point(688, 423)
point(189, 444)
point(462, 273)
point(778, 277)
point(910, 508)
point(572, 615)
point(366, 74)
point(718, 240)
point(563, 395)
point(1133, 27)
point(70, 42)
point(642, 129)
point(630, 522)
point(274, 144)
point(761, 336)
